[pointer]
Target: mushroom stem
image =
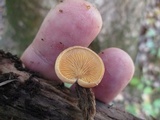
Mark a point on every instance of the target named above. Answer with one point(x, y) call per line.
point(70, 85)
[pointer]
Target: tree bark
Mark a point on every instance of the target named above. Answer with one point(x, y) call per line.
point(25, 95)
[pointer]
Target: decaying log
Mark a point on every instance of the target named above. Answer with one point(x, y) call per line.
point(24, 95)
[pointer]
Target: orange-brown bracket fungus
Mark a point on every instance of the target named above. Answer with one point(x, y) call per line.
point(79, 64)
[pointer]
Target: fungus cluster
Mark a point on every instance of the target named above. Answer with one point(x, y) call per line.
point(81, 65)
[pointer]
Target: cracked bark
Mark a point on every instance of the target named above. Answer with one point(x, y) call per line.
point(24, 95)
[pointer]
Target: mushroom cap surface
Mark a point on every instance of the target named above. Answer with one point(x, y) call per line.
point(79, 64)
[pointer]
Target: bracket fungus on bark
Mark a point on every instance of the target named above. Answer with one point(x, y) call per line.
point(79, 64)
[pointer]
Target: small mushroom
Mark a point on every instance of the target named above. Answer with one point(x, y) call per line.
point(81, 65)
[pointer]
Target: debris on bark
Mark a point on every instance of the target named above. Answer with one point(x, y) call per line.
point(86, 102)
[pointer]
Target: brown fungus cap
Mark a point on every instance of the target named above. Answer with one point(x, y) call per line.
point(79, 64)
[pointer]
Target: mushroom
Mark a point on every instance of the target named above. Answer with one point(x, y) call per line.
point(81, 65)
